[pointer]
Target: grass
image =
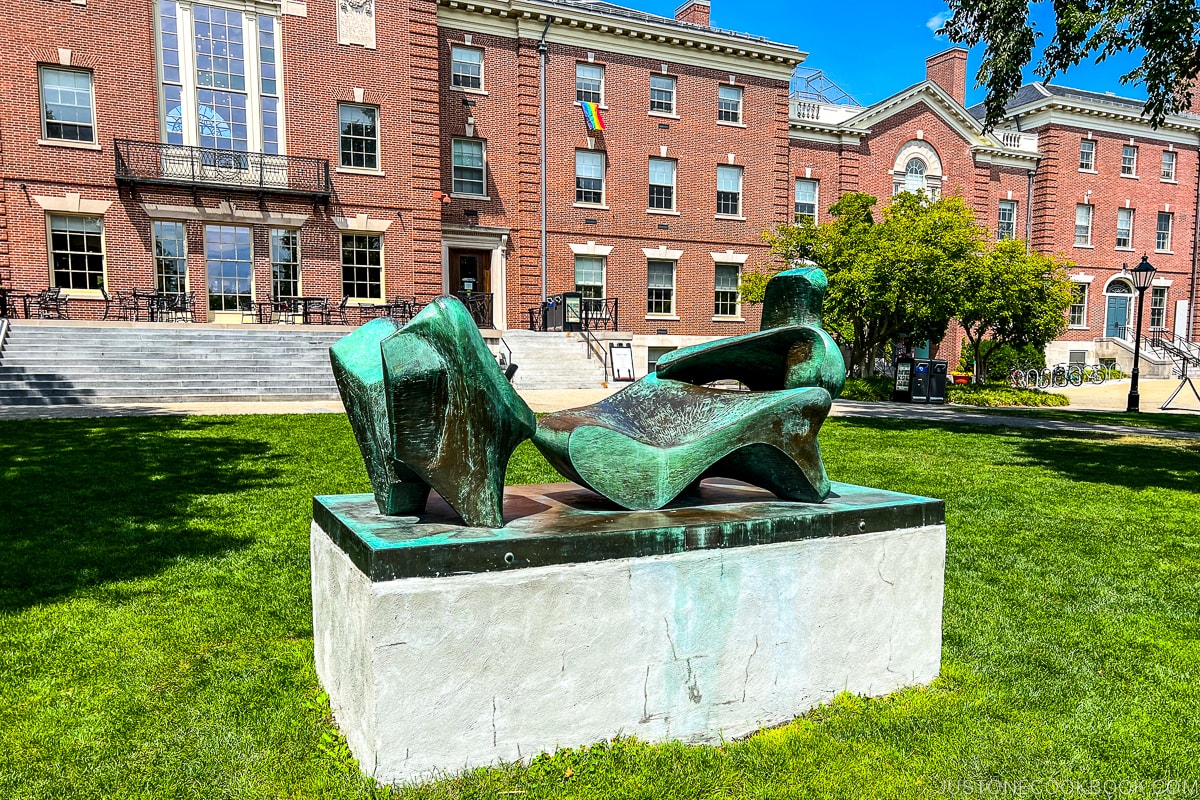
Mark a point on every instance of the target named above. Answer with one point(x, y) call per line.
point(1145, 419)
point(156, 639)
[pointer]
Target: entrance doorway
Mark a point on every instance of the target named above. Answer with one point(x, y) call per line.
point(1116, 313)
point(470, 271)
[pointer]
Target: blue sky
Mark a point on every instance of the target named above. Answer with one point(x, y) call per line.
point(875, 48)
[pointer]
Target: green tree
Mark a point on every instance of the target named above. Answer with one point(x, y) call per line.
point(892, 278)
point(1166, 31)
point(1012, 297)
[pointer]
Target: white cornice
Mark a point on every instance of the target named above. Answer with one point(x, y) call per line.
point(1046, 112)
point(831, 134)
point(713, 49)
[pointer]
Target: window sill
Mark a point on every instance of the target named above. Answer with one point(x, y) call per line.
point(1085, 247)
point(1124, 249)
point(662, 115)
point(1131, 177)
point(662, 212)
point(1164, 252)
point(1166, 180)
point(68, 144)
point(728, 319)
point(731, 124)
point(600, 106)
point(1089, 171)
point(358, 171)
point(1078, 328)
point(590, 206)
point(729, 216)
point(465, 90)
point(662, 317)
point(363, 301)
point(82, 294)
point(458, 196)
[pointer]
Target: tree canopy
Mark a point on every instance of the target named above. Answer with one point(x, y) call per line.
point(1166, 31)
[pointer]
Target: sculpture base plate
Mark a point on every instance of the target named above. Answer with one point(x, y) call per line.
point(444, 647)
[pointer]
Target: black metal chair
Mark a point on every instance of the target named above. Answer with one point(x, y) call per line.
point(50, 304)
point(328, 314)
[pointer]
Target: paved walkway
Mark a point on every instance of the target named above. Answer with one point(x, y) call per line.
point(1112, 395)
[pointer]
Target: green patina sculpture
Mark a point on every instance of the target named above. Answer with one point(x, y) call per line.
point(430, 408)
point(644, 445)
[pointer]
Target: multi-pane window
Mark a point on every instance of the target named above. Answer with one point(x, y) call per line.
point(660, 287)
point(589, 83)
point(1162, 235)
point(1129, 160)
point(208, 98)
point(914, 175)
point(1168, 165)
point(77, 252)
point(589, 276)
point(362, 265)
point(285, 262)
point(662, 184)
point(229, 261)
point(466, 67)
point(359, 136)
point(1158, 307)
point(806, 200)
point(1083, 225)
point(467, 168)
point(170, 257)
point(589, 177)
point(1077, 315)
point(729, 190)
point(662, 94)
point(729, 104)
point(1124, 227)
point(1087, 155)
point(726, 298)
point(67, 105)
point(1006, 224)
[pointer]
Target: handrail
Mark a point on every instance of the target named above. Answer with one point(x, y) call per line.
point(3, 334)
point(590, 339)
point(177, 164)
point(505, 360)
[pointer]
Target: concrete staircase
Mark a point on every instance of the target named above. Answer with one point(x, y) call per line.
point(551, 360)
point(81, 363)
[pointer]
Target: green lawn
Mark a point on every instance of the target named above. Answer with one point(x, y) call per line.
point(155, 630)
point(1155, 420)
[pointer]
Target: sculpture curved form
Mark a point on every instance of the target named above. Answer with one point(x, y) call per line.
point(646, 444)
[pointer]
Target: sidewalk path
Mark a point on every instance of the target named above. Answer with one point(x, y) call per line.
point(1112, 395)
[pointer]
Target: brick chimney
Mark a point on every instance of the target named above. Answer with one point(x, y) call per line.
point(948, 70)
point(696, 12)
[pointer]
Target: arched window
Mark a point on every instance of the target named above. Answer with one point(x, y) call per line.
point(1119, 286)
point(914, 175)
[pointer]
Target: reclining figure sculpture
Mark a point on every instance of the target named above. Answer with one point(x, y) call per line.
point(430, 408)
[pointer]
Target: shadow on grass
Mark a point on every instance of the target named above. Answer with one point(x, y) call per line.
point(1082, 456)
point(89, 501)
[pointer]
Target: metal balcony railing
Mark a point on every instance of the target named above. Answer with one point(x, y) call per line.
point(180, 165)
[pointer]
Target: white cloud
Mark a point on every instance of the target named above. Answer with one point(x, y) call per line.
point(937, 21)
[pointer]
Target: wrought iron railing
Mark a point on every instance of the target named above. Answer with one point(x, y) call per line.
point(181, 165)
point(479, 304)
point(595, 314)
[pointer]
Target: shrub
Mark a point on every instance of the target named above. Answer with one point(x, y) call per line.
point(992, 395)
point(877, 387)
point(1002, 360)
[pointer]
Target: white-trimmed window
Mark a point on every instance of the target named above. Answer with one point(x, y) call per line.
point(76, 251)
point(1129, 161)
point(68, 110)
point(1006, 223)
point(1162, 235)
point(170, 256)
point(220, 79)
point(1083, 225)
point(466, 67)
point(662, 94)
point(729, 191)
point(589, 276)
point(729, 104)
point(662, 184)
point(469, 167)
point(1077, 314)
point(1158, 307)
point(727, 300)
point(914, 175)
point(229, 263)
point(589, 177)
point(1168, 165)
point(589, 83)
point(806, 200)
point(1087, 155)
point(358, 128)
point(1124, 228)
point(285, 262)
point(362, 266)
point(660, 287)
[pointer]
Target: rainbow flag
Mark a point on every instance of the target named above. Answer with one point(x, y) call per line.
point(591, 115)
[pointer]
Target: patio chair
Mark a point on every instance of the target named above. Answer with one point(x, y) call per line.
point(329, 313)
point(50, 304)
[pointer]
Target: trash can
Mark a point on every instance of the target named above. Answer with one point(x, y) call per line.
point(912, 381)
point(937, 381)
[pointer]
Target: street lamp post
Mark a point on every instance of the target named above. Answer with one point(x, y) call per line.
point(1143, 275)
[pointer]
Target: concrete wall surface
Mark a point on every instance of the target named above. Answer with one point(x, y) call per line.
point(433, 675)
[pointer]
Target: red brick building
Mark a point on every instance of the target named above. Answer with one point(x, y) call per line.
point(364, 150)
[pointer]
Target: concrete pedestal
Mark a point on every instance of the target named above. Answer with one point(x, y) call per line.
point(443, 647)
